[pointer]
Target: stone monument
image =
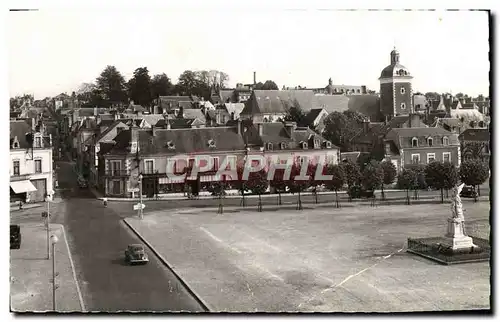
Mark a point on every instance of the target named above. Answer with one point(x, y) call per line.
point(456, 236)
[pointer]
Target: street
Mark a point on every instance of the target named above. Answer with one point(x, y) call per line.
point(97, 240)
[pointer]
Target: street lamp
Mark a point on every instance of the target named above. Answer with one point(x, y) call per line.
point(47, 199)
point(140, 196)
point(54, 241)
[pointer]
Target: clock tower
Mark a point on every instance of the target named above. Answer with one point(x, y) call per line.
point(395, 89)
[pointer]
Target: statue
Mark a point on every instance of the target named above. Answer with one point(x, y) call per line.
point(456, 204)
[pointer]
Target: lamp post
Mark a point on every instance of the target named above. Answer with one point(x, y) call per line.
point(140, 197)
point(47, 221)
point(54, 241)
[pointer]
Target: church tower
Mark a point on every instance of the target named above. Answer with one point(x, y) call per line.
point(395, 89)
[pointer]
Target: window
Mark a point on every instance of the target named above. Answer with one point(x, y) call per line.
point(316, 143)
point(446, 156)
point(38, 142)
point(283, 145)
point(429, 141)
point(415, 158)
point(115, 167)
point(445, 141)
point(304, 145)
point(16, 168)
point(403, 106)
point(38, 166)
point(149, 166)
point(387, 148)
point(403, 90)
point(431, 157)
point(414, 142)
point(328, 144)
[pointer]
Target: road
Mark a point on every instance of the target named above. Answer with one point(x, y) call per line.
point(97, 241)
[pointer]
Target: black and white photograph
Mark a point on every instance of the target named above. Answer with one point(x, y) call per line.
point(244, 158)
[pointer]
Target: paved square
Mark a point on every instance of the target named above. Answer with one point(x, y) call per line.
point(350, 259)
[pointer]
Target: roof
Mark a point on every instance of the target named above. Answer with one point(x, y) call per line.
point(399, 133)
point(476, 135)
point(192, 113)
point(235, 108)
point(19, 128)
point(110, 128)
point(471, 114)
point(448, 121)
point(419, 100)
point(226, 95)
point(185, 140)
point(350, 156)
point(311, 116)
point(172, 102)
point(152, 119)
point(368, 105)
point(276, 101)
point(395, 70)
point(331, 103)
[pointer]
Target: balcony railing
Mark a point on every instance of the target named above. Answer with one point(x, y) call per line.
point(117, 173)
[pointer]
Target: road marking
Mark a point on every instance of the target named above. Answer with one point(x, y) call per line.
point(268, 272)
point(276, 249)
point(80, 297)
point(220, 241)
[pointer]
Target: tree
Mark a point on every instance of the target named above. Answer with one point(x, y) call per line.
point(315, 181)
point(295, 114)
point(373, 176)
point(111, 86)
point(161, 86)
point(218, 189)
point(473, 172)
point(341, 128)
point(432, 96)
point(473, 150)
point(278, 183)
point(337, 181)
point(268, 85)
point(352, 173)
point(240, 183)
point(139, 87)
point(194, 83)
point(406, 181)
point(258, 184)
point(297, 184)
point(441, 176)
point(390, 173)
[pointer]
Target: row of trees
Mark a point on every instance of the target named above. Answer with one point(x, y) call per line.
point(111, 88)
point(372, 176)
point(443, 176)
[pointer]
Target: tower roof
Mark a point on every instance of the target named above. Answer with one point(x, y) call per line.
point(395, 69)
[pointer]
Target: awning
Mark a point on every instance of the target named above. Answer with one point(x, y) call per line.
point(209, 178)
point(22, 186)
point(170, 180)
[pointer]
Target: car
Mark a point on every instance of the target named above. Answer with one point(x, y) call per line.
point(136, 254)
point(469, 192)
point(15, 236)
point(357, 192)
point(82, 183)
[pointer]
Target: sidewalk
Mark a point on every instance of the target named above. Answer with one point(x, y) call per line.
point(31, 273)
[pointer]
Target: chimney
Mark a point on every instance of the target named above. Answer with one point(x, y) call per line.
point(153, 130)
point(254, 78)
point(116, 115)
point(260, 127)
point(366, 126)
point(290, 127)
point(239, 127)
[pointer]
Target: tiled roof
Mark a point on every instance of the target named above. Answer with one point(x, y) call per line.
point(185, 140)
point(331, 103)
point(468, 105)
point(276, 101)
point(152, 119)
point(172, 102)
point(177, 123)
point(19, 129)
point(448, 121)
point(192, 113)
point(311, 116)
point(368, 105)
point(226, 95)
point(110, 128)
point(234, 107)
point(469, 114)
point(397, 134)
point(476, 135)
point(421, 101)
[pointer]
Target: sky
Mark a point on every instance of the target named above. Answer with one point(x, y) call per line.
point(55, 50)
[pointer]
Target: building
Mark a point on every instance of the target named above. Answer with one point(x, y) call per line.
point(332, 89)
point(31, 172)
point(147, 151)
point(475, 144)
point(395, 89)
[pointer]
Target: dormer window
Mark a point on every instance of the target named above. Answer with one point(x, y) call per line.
point(38, 142)
point(170, 145)
point(15, 143)
point(282, 145)
point(316, 143)
point(211, 143)
point(304, 145)
point(328, 144)
point(269, 146)
point(414, 142)
point(429, 141)
point(445, 140)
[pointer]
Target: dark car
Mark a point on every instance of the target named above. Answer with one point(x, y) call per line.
point(469, 192)
point(136, 254)
point(82, 183)
point(357, 192)
point(15, 237)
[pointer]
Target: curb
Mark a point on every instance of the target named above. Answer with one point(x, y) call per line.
point(80, 296)
point(203, 304)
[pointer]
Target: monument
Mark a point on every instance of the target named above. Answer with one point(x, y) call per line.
point(455, 246)
point(456, 236)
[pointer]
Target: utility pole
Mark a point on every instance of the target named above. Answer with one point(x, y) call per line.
point(54, 241)
point(47, 223)
point(140, 197)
